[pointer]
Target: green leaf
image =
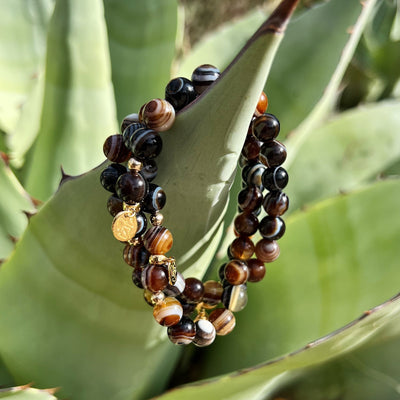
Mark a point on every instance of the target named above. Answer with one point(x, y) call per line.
point(26, 393)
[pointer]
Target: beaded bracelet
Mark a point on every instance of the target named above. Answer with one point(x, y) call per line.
point(192, 310)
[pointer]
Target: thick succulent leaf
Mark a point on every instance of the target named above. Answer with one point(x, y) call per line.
point(141, 34)
point(68, 272)
point(356, 146)
point(26, 393)
point(78, 100)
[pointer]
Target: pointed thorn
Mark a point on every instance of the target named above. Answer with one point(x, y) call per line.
point(65, 177)
point(29, 214)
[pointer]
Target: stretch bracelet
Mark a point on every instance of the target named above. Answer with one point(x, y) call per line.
point(194, 312)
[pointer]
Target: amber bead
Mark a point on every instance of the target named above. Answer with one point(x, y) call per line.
point(194, 290)
point(205, 333)
point(115, 150)
point(212, 292)
point(144, 143)
point(128, 120)
point(236, 272)
point(149, 170)
point(114, 205)
point(155, 277)
point(275, 178)
point(267, 250)
point(252, 174)
point(223, 320)
point(177, 288)
point(203, 76)
point(251, 148)
point(246, 223)
point(168, 312)
point(155, 199)
point(131, 187)
point(256, 270)
point(262, 105)
point(266, 127)
point(183, 332)
point(110, 175)
point(136, 255)
point(276, 203)
point(158, 240)
point(250, 198)
point(180, 92)
point(273, 153)
point(272, 228)
point(234, 297)
point(137, 276)
point(157, 114)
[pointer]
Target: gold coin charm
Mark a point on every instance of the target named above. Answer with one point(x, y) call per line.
point(124, 226)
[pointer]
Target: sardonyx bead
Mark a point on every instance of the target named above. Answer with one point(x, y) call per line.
point(144, 143)
point(115, 150)
point(194, 290)
point(276, 203)
point(234, 297)
point(273, 153)
point(177, 288)
point(236, 272)
point(251, 148)
point(266, 127)
point(131, 187)
point(212, 292)
point(246, 223)
point(205, 333)
point(252, 174)
point(262, 105)
point(128, 120)
point(155, 199)
point(275, 178)
point(136, 255)
point(180, 92)
point(241, 248)
point(168, 312)
point(158, 240)
point(267, 250)
point(250, 198)
point(114, 205)
point(155, 277)
point(223, 320)
point(203, 76)
point(157, 114)
point(256, 270)
point(110, 175)
point(183, 332)
point(149, 170)
point(272, 228)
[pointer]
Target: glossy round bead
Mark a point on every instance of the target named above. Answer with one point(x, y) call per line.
point(252, 174)
point(261, 105)
point(267, 250)
point(223, 320)
point(266, 127)
point(115, 150)
point(156, 219)
point(246, 223)
point(168, 312)
point(242, 248)
point(158, 240)
point(276, 203)
point(188, 308)
point(275, 178)
point(157, 114)
point(234, 297)
point(144, 143)
point(154, 200)
point(110, 175)
point(221, 272)
point(177, 288)
point(272, 228)
point(250, 198)
point(183, 332)
point(256, 270)
point(205, 333)
point(155, 277)
point(194, 290)
point(180, 92)
point(137, 276)
point(273, 153)
point(203, 76)
point(136, 256)
point(149, 170)
point(236, 272)
point(141, 224)
point(128, 120)
point(131, 187)
point(129, 132)
point(251, 148)
point(114, 205)
point(212, 292)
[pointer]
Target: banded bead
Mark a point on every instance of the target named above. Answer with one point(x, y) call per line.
point(205, 333)
point(177, 288)
point(262, 105)
point(180, 92)
point(137, 276)
point(110, 175)
point(272, 228)
point(212, 292)
point(144, 143)
point(252, 174)
point(203, 76)
point(250, 198)
point(168, 312)
point(149, 170)
point(273, 153)
point(234, 297)
point(155, 277)
point(157, 114)
point(114, 205)
point(275, 178)
point(242, 248)
point(130, 130)
point(141, 224)
point(183, 332)
point(251, 148)
point(131, 187)
point(115, 150)
point(276, 203)
point(266, 127)
point(136, 255)
point(223, 320)
point(128, 120)
point(155, 199)
point(188, 308)
point(158, 240)
point(256, 270)
point(246, 223)
point(236, 272)
point(267, 250)
point(194, 290)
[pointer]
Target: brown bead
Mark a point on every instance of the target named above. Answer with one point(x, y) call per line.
point(267, 250)
point(272, 228)
point(256, 270)
point(136, 255)
point(250, 198)
point(182, 332)
point(131, 187)
point(114, 205)
point(261, 105)
point(155, 277)
point(242, 248)
point(137, 277)
point(236, 272)
point(276, 203)
point(188, 308)
point(251, 148)
point(212, 292)
point(157, 114)
point(273, 153)
point(194, 289)
point(168, 312)
point(246, 224)
point(158, 240)
point(128, 120)
point(115, 150)
point(266, 127)
point(223, 320)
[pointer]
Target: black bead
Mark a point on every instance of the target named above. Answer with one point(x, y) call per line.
point(141, 224)
point(149, 170)
point(266, 127)
point(252, 174)
point(129, 131)
point(144, 143)
point(275, 178)
point(180, 92)
point(154, 200)
point(114, 205)
point(203, 76)
point(137, 277)
point(272, 228)
point(131, 187)
point(273, 153)
point(110, 175)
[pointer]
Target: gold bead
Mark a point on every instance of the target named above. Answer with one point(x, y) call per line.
point(157, 219)
point(134, 164)
point(124, 226)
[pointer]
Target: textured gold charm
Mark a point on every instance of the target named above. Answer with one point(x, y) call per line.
point(124, 226)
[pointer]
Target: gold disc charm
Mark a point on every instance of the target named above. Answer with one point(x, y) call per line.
point(124, 226)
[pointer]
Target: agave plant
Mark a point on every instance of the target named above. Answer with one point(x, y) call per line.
point(324, 324)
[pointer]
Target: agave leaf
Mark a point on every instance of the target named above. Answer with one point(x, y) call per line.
point(68, 272)
point(78, 99)
point(141, 33)
point(26, 393)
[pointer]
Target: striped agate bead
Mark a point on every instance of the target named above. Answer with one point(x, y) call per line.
point(128, 120)
point(275, 178)
point(252, 174)
point(115, 150)
point(276, 203)
point(157, 114)
point(272, 228)
point(250, 198)
point(149, 170)
point(205, 333)
point(144, 143)
point(236, 272)
point(158, 240)
point(273, 153)
point(168, 312)
point(203, 76)
point(223, 320)
point(212, 292)
point(155, 277)
point(183, 332)
point(136, 256)
point(154, 200)
point(114, 205)
point(180, 92)
point(194, 290)
point(251, 148)
point(266, 127)
point(234, 297)
point(241, 248)
point(256, 270)
point(109, 176)
point(267, 250)
point(246, 223)
point(131, 187)
point(262, 105)
point(177, 288)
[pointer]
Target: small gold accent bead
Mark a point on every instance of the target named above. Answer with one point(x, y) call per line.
point(134, 164)
point(157, 219)
point(158, 259)
point(157, 297)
